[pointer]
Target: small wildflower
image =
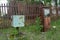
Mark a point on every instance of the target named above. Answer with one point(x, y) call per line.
point(54, 26)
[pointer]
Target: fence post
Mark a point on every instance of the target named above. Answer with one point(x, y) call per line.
point(46, 24)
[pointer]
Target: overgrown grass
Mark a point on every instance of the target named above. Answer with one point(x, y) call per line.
point(32, 32)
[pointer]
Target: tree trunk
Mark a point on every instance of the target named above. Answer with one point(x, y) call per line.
point(50, 9)
point(56, 8)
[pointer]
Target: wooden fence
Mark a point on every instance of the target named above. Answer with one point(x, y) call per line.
point(30, 11)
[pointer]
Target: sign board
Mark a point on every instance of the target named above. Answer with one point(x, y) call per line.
point(18, 20)
point(46, 11)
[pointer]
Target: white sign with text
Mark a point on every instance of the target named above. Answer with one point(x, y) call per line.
point(46, 11)
point(18, 20)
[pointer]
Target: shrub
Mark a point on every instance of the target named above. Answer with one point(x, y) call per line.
point(38, 25)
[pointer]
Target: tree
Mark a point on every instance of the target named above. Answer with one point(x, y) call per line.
point(46, 2)
point(59, 2)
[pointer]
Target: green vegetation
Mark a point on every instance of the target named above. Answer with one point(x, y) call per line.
point(32, 32)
